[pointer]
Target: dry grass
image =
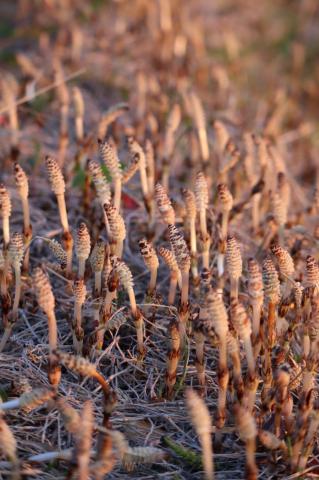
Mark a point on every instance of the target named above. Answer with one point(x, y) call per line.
point(190, 82)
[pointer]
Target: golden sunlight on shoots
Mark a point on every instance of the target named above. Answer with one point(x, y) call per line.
point(58, 187)
point(234, 265)
point(246, 427)
point(164, 205)
point(30, 399)
point(111, 161)
point(173, 356)
point(101, 185)
point(256, 294)
point(173, 122)
point(151, 261)
point(22, 184)
point(284, 259)
point(202, 200)
point(58, 251)
point(218, 319)
point(8, 445)
point(82, 247)
point(200, 122)
point(16, 253)
point(78, 112)
point(83, 441)
point(183, 260)
point(46, 301)
point(272, 296)
point(97, 263)
point(222, 136)
point(117, 229)
point(137, 151)
point(312, 273)
point(175, 274)
point(14, 256)
point(5, 212)
point(242, 325)
point(126, 279)
point(201, 421)
point(79, 290)
point(190, 204)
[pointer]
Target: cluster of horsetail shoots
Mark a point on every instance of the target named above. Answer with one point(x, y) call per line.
point(203, 281)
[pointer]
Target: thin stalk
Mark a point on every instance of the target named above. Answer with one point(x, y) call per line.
point(173, 356)
point(81, 270)
point(6, 231)
point(79, 129)
point(144, 182)
point(118, 250)
point(223, 379)
point(64, 119)
point(221, 257)
point(223, 354)
point(266, 373)
point(199, 362)
point(255, 212)
point(193, 244)
point(5, 336)
point(10, 404)
point(203, 223)
point(107, 225)
point(17, 293)
point(308, 442)
point(139, 322)
point(27, 237)
point(224, 226)
point(271, 324)
point(97, 283)
point(5, 298)
point(237, 374)
point(132, 301)
point(117, 193)
point(77, 329)
point(205, 253)
point(14, 124)
point(105, 314)
point(250, 392)
point(26, 213)
point(41, 91)
point(63, 212)
point(165, 175)
point(139, 325)
point(249, 356)
point(256, 314)
point(172, 288)
point(234, 284)
point(152, 285)
point(68, 245)
point(54, 368)
point(185, 287)
point(251, 467)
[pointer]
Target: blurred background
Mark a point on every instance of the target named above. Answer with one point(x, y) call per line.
point(253, 64)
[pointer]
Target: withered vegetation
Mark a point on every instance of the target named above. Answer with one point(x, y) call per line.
point(159, 205)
